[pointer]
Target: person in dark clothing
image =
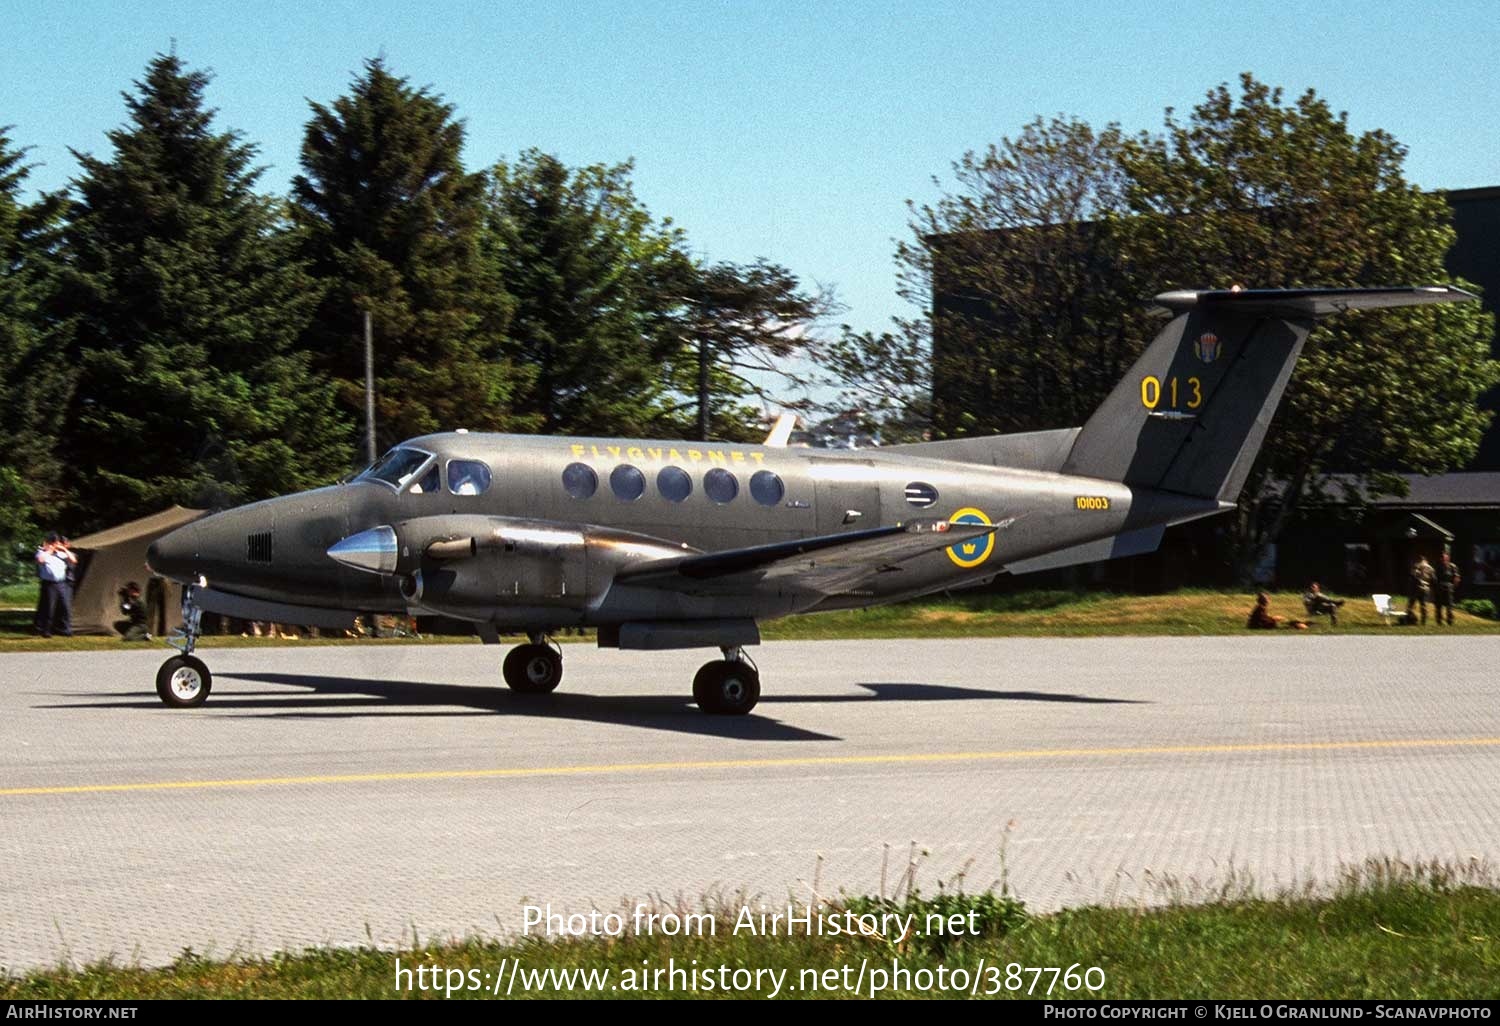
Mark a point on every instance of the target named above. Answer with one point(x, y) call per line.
point(133, 627)
point(1318, 604)
point(55, 564)
point(1260, 617)
point(1422, 579)
point(1444, 588)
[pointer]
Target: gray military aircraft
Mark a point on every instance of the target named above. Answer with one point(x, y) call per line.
point(662, 545)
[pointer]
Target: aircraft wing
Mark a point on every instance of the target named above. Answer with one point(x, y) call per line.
point(827, 564)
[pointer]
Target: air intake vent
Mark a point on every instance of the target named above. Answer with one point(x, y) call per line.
point(921, 494)
point(258, 547)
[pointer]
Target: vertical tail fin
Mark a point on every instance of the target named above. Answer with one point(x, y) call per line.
point(1192, 413)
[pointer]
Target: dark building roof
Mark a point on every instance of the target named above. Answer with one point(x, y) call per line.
point(1479, 489)
point(1451, 491)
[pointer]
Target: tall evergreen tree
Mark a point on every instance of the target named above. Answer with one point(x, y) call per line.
point(599, 287)
point(393, 227)
point(189, 300)
point(35, 381)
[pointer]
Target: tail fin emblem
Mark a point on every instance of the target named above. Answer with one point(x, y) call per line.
point(1207, 347)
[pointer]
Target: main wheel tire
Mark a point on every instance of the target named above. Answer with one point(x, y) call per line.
point(533, 669)
point(726, 688)
point(183, 682)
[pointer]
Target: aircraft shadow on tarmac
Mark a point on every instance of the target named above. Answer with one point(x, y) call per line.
point(333, 697)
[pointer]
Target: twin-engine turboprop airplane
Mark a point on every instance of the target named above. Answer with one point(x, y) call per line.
point(690, 544)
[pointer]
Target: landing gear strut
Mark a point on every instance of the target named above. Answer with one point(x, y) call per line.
point(183, 680)
point(728, 686)
point(534, 668)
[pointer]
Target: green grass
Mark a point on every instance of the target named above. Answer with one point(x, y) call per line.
point(1089, 614)
point(1022, 614)
point(19, 596)
point(1386, 930)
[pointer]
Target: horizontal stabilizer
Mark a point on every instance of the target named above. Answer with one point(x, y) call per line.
point(1311, 302)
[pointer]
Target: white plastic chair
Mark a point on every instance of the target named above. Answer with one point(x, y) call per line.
point(1383, 607)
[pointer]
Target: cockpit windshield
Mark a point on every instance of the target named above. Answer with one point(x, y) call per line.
point(396, 467)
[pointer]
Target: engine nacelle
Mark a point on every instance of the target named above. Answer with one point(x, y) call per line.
point(499, 569)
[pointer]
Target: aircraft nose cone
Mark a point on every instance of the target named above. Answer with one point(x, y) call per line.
point(373, 550)
point(172, 555)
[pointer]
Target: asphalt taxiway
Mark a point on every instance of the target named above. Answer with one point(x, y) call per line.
point(351, 795)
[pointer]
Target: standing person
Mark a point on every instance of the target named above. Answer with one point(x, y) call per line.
point(55, 562)
point(1446, 588)
point(1422, 578)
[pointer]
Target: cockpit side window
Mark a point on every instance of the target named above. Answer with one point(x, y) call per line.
point(431, 483)
point(468, 477)
point(396, 468)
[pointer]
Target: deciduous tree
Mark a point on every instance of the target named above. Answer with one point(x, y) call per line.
point(1252, 189)
point(1031, 326)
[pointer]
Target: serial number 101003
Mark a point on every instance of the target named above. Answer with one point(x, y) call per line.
point(1152, 389)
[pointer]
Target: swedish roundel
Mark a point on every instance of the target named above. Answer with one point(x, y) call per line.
point(975, 550)
point(1207, 347)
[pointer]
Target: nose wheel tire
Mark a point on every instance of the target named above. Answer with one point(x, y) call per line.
point(533, 669)
point(726, 688)
point(183, 682)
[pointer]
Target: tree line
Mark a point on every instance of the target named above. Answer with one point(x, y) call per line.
point(171, 333)
point(1042, 249)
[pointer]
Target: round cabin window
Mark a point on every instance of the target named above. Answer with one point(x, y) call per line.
point(674, 484)
point(766, 488)
point(627, 482)
point(720, 485)
point(579, 480)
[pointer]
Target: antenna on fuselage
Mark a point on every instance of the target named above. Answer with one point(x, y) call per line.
point(781, 431)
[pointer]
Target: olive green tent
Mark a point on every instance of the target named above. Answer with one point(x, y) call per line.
point(109, 559)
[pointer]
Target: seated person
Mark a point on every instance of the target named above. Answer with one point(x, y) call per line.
point(1318, 603)
point(1260, 617)
point(133, 627)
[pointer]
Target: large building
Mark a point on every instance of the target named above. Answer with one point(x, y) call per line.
point(1476, 257)
point(1355, 551)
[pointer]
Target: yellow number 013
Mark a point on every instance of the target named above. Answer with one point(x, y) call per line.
point(1151, 392)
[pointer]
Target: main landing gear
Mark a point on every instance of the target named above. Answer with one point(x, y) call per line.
point(183, 680)
point(724, 687)
point(534, 668)
point(728, 686)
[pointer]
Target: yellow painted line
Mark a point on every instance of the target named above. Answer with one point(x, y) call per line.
point(605, 769)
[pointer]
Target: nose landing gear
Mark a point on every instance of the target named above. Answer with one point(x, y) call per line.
point(183, 681)
point(728, 686)
point(534, 668)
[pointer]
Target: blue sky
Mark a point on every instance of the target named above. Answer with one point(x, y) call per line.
point(794, 131)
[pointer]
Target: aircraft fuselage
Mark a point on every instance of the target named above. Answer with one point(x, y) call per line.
point(631, 491)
